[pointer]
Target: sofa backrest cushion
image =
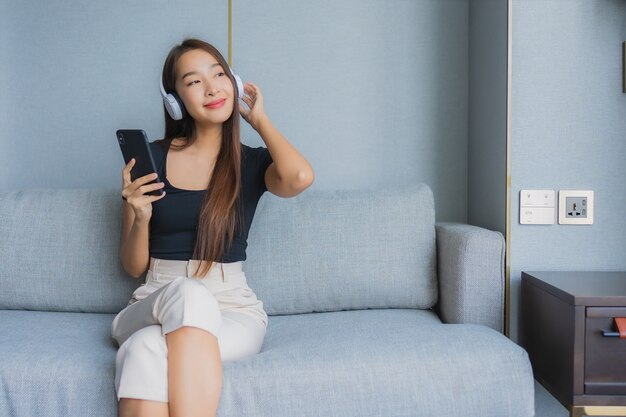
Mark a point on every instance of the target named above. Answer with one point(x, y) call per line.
point(323, 250)
point(60, 251)
point(329, 250)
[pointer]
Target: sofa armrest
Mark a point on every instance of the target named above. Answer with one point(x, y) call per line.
point(470, 269)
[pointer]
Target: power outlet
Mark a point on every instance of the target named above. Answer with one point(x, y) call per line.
point(575, 207)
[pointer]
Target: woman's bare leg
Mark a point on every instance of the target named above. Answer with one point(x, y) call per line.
point(133, 407)
point(194, 366)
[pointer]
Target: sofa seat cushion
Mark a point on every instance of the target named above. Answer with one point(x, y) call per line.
point(393, 362)
point(389, 362)
point(56, 364)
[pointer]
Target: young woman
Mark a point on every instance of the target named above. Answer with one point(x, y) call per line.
point(195, 309)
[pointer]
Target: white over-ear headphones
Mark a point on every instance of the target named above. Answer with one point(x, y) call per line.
point(174, 105)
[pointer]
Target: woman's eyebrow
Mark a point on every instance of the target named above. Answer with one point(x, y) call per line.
point(195, 72)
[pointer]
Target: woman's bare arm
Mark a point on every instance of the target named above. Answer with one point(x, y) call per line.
point(134, 247)
point(289, 173)
point(134, 252)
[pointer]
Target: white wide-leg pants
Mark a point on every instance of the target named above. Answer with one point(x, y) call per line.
point(220, 303)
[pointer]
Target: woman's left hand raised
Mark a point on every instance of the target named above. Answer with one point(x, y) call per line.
point(254, 99)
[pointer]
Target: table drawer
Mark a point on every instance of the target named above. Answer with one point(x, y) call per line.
point(605, 357)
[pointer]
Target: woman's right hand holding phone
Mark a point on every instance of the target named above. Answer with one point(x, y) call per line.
point(134, 192)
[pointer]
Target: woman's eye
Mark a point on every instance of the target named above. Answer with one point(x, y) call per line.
point(193, 82)
point(221, 73)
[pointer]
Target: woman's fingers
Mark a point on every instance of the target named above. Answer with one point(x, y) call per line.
point(251, 89)
point(141, 180)
point(247, 100)
point(157, 197)
point(146, 178)
point(130, 188)
point(149, 198)
point(126, 170)
point(142, 192)
point(252, 85)
point(145, 188)
point(254, 99)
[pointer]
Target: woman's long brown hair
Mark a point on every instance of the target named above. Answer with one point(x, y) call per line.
point(221, 202)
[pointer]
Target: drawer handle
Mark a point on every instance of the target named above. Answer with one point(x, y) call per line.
point(620, 324)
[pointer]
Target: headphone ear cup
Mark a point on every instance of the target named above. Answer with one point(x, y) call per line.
point(239, 85)
point(179, 104)
point(174, 106)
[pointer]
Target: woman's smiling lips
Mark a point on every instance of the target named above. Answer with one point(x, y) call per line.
point(216, 104)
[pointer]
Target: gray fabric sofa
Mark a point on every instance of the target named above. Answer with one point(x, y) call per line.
point(374, 309)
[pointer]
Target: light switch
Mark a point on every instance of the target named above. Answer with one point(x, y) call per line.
point(536, 207)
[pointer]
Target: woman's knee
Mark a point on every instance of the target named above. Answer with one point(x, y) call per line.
point(188, 302)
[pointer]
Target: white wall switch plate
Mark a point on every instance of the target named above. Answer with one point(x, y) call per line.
point(575, 207)
point(536, 206)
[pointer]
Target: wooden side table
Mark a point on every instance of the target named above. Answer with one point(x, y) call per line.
point(567, 326)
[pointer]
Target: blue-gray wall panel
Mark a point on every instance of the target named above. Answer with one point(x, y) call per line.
point(373, 93)
point(77, 71)
point(568, 132)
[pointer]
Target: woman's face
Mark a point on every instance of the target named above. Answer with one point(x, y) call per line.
point(200, 80)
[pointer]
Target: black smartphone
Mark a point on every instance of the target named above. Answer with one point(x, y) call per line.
point(134, 144)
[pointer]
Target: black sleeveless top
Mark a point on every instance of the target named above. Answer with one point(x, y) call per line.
point(174, 221)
